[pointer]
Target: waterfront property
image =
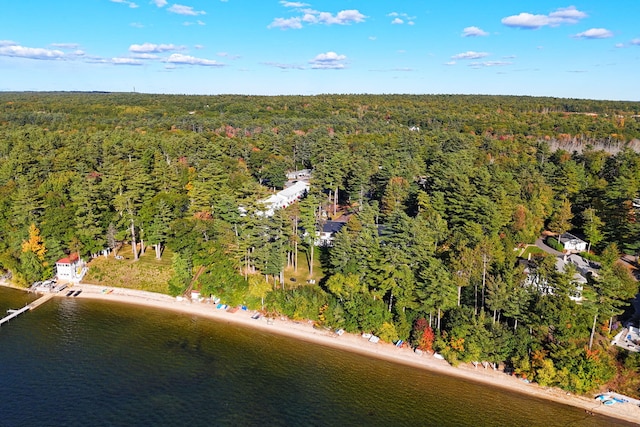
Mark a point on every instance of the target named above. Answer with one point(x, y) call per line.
point(71, 268)
point(583, 269)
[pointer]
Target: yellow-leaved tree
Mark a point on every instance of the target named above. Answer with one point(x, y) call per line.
point(35, 243)
point(32, 263)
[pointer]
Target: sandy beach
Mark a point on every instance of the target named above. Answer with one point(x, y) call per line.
point(355, 343)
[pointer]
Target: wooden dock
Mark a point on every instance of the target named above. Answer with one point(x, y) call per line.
point(15, 313)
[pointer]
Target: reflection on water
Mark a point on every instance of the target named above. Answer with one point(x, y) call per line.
point(78, 362)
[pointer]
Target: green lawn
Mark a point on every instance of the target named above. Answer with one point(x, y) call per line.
point(531, 250)
point(302, 274)
point(148, 273)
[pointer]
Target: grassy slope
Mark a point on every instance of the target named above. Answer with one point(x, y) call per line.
point(146, 274)
point(152, 275)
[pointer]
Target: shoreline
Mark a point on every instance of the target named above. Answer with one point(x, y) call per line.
point(304, 330)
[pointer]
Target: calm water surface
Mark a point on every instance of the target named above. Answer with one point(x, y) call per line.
point(88, 363)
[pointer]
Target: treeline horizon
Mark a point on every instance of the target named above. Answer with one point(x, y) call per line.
point(440, 190)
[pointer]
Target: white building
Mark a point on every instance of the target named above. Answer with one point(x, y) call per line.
point(301, 174)
point(326, 235)
point(571, 243)
point(284, 198)
point(70, 269)
point(583, 269)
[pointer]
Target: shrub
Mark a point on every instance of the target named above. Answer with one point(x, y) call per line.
point(553, 242)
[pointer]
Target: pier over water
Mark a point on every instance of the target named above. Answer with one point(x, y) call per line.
point(12, 314)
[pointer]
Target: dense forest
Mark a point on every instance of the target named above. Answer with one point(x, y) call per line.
point(441, 196)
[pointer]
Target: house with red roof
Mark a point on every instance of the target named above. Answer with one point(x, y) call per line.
point(71, 268)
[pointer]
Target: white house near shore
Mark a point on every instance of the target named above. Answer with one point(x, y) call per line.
point(583, 269)
point(70, 269)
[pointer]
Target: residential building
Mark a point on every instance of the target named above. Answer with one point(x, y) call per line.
point(327, 233)
point(70, 269)
point(584, 269)
point(284, 198)
point(571, 243)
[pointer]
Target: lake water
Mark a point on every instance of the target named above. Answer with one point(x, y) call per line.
point(75, 362)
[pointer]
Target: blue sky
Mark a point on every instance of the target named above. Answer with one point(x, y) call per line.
point(580, 49)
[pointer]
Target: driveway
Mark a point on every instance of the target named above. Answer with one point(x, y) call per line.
point(548, 249)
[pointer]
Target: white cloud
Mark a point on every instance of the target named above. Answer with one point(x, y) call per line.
point(131, 4)
point(373, 38)
point(310, 16)
point(189, 23)
point(594, 33)
point(401, 18)
point(635, 42)
point(526, 20)
point(16, 51)
point(185, 10)
point(563, 15)
point(125, 61)
point(393, 70)
point(490, 64)
point(470, 55)
point(567, 15)
point(67, 46)
point(294, 4)
point(178, 58)
point(228, 55)
point(343, 17)
point(144, 56)
point(153, 48)
point(450, 63)
point(96, 60)
point(328, 61)
point(160, 3)
point(474, 32)
point(619, 45)
point(198, 46)
point(7, 43)
point(283, 66)
point(286, 23)
point(136, 25)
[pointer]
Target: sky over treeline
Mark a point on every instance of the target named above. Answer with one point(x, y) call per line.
point(587, 49)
